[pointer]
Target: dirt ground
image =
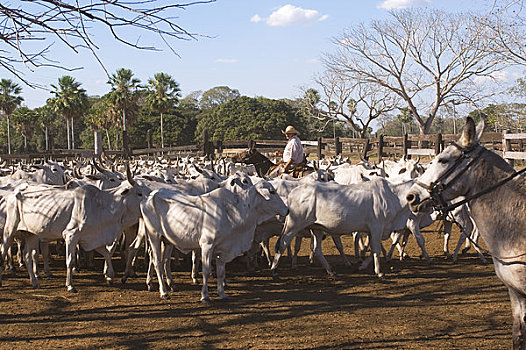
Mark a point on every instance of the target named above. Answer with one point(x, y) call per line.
point(417, 306)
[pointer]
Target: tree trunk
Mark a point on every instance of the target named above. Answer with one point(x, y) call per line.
point(108, 137)
point(8, 136)
point(67, 129)
point(47, 140)
point(25, 143)
point(162, 132)
point(72, 135)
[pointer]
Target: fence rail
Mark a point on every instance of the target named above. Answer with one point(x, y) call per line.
point(510, 146)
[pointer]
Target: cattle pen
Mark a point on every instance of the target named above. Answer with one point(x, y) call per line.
point(418, 304)
point(511, 146)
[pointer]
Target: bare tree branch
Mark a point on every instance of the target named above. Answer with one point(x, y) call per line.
point(25, 23)
point(421, 55)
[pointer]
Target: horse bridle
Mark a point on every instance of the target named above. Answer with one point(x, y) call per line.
point(436, 188)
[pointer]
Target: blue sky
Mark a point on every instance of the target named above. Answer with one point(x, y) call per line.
point(267, 48)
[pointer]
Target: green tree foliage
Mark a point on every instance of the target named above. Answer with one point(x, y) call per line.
point(217, 96)
point(247, 118)
point(10, 99)
point(71, 101)
point(24, 120)
point(162, 96)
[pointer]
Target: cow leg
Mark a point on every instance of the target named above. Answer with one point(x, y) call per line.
point(447, 234)
point(109, 273)
point(30, 251)
point(475, 238)
point(376, 248)
point(132, 251)
point(220, 271)
point(311, 254)
point(339, 245)
point(297, 247)
point(71, 251)
point(44, 249)
point(318, 238)
point(196, 257)
point(266, 250)
point(518, 312)
point(167, 261)
point(206, 261)
point(19, 252)
point(156, 258)
point(395, 238)
point(413, 227)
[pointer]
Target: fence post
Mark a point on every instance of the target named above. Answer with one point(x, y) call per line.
point(438, 144)
point(337, 145)
point(405, 145)
point(97, 150)
point(205, 143)
point(380, 147)
point(251, 144)
point(320, 147)
point(365, 149)
point(219, 147)
point(506, 147)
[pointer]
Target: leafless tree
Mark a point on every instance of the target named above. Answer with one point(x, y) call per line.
point(423, 56)
point(357, 105)
point(29, 28)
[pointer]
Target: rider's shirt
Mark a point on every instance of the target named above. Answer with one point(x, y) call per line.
point(293, 150)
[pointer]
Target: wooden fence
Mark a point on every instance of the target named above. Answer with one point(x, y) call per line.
point(510, 146)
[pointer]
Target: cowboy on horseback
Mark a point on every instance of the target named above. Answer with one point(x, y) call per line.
point(293, 155)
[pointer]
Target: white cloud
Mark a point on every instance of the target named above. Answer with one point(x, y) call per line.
point(256, 18)
point(227, 60)
point(314, 60)
point(288, 15)
point(401, 4)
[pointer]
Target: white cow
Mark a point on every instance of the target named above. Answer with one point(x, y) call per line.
point(221, 223)
point(85, 215)
point(377, 207)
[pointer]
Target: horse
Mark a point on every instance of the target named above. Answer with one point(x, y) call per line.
point(266, 167)
point(496, 196)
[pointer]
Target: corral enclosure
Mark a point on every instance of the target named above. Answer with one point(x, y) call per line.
point(417, 306)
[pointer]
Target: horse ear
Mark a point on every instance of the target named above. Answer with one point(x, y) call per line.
point(468, 133)
point(480, 129)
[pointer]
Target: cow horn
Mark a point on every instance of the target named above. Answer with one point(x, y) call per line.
point(199, 170)
point(129, 176)
point(76, 172)
point(315, 165)
point(417, 160)
point(97, 166)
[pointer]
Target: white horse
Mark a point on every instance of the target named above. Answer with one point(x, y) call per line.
point(496, 196)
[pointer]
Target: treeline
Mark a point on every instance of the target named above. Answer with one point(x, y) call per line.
point(155, 115)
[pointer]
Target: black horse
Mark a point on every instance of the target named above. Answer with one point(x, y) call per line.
point(266, 167)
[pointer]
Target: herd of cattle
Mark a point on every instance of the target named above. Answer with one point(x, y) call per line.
point(216, 211)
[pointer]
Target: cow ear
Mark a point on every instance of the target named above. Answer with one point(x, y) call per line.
point(468, 133)
point(125, 192)
point(232, 182)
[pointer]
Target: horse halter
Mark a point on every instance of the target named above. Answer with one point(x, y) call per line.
point(436, 188)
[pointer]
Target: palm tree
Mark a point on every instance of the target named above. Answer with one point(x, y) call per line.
point(163, 94)
point(71, 101)
point(124, 97)
point(9, 101)
point(25, 120)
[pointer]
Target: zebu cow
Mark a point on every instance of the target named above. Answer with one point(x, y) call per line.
point(48, 173)
point(221, 223)
point(496, 197)
point(377, 207)
point(84, 215)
